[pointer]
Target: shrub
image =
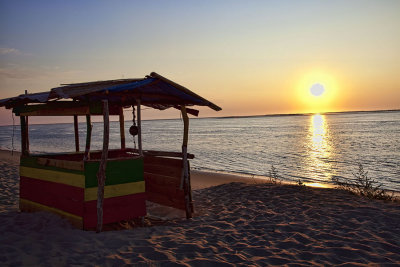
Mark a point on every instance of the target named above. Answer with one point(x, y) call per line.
point(274, 176)
point(364, 186)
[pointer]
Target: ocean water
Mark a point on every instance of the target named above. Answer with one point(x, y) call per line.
point(310, 148)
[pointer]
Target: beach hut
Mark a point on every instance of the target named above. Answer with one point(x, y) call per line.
point(92, 188)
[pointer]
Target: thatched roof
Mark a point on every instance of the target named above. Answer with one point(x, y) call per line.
point(154, 91)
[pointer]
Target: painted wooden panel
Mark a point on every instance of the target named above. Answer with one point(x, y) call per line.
point(163, 179)
point(64, 197)
point(117, 172)
point(32, 161)
point(45, 185)
point(116, 209)
point(30, 206)
point(63, 164)
point(116, 190)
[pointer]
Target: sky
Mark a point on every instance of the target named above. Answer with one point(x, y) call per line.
point(249, 57)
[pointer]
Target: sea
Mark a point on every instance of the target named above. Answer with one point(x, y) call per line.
point(308, 148)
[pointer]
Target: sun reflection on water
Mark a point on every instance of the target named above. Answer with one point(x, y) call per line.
point(319, 148)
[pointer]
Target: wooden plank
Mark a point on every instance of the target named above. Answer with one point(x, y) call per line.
point(64, 197)
point(64, 108)
point(169, 191)
point(76, 131)
point(115, 190)
point(175, 163)
point(164, 170)
point(32, 162)
point(118, 171)
point(77, 180)
point(161, 179)
point(101, 174)
point(166, 154)
point(30, 206)
point(166, 200)
point(63, 164)
point(116, 209)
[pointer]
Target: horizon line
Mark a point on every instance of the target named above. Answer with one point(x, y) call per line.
point(245, 116)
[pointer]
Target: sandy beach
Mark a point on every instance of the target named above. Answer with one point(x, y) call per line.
point(235, 223)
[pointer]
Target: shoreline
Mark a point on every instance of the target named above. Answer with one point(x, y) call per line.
point(201, 178)
point(207, 178)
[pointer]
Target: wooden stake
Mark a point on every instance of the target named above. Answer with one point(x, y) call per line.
point(88, 137)
point(24, 149)
point(101, 174)
point(76, 130)
point(122, 127)
point(185, 183)
point(139, 124)
point(27, 134)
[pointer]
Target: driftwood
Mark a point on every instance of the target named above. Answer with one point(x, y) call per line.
point(185, 180)
point(76, 131)
point(88, 138)
point(101, 174)
point(24, 135)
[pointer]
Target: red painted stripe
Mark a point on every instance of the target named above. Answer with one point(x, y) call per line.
point(64, 197)
point(115, 209)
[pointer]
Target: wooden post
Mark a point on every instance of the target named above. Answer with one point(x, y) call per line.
point(185, 183)
point(122, 127)
point(101, 174)
point(139, 124)
point(88, 137)
point(24, 135)
point(76, 130)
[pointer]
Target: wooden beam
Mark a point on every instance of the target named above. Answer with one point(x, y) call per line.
point(64, 108)
point(101, 174)
point(139, 122)
point(76, 131)
point(27, 134)
point(122, 127)
point(24, 149)
point(185, 183)
point(88, 138)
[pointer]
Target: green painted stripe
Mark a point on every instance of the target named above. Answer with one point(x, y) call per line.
point(32, 163)
point(117, 172)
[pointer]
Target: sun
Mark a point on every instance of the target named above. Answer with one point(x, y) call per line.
point(316, 92)
point(317, 89)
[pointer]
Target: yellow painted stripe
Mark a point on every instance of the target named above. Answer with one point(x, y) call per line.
point(27, 205)
point(77, 180)
point(116, 190)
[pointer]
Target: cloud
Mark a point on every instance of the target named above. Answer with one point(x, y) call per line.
point(8, 51)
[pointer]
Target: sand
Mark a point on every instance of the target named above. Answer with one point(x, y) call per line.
point(235, 224)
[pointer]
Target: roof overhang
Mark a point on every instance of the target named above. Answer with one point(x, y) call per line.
point(153, 91)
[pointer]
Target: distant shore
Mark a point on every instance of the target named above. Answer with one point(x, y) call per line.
point(259, 115)
point(235, 223)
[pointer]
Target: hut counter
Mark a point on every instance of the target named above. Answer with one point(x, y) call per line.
point(68, 187)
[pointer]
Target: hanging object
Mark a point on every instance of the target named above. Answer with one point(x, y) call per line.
point(133, 130)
